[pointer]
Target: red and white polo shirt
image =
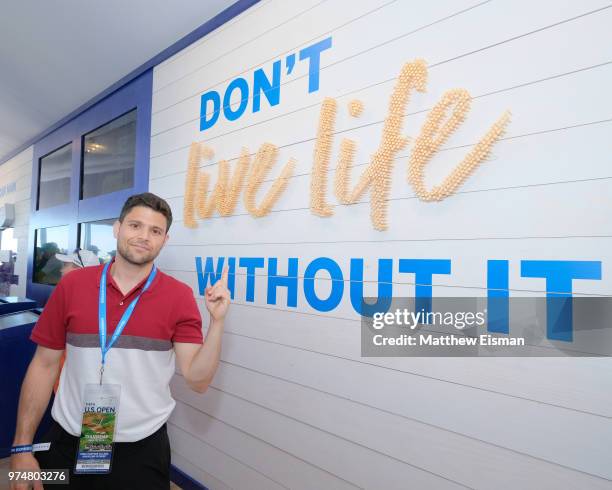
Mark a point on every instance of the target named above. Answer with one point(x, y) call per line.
point(142, 360)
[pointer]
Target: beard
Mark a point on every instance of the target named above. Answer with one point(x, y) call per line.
point(123, 249)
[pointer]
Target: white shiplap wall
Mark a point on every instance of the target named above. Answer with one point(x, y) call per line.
point(294, 405)
point(18, 170)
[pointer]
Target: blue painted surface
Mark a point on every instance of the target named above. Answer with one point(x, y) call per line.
point(559, 275)
point(337, 284)
point(313, 54)
point(261, 84)
point(13, 304)
point(217, 21)
point(183, 480)
point(290, 281)
point(250, 264)
point(16, 352)
point(423, 270)
point(385, 287)
point(498, 296)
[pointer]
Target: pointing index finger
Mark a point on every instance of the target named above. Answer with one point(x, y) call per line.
point(224, 276)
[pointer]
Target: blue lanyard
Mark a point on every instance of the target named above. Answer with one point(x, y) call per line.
point(124, 318)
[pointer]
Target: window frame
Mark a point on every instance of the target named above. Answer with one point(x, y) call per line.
point(40, 159)
point(135, 95)
point(35, 239)
point(82, 158)
point(80, 227)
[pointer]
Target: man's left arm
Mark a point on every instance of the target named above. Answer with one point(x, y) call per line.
point(199, 362)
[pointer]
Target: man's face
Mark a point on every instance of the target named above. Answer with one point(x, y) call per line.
point(141, 235)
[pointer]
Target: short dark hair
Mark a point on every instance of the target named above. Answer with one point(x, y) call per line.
point(148, 200)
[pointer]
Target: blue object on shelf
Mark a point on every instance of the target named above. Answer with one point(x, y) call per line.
point(11, 304)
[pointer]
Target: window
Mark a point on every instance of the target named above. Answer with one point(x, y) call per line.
point(83, 172)
point(49, 241)
point(54, 178)
point(97, 236)
point(108, 157)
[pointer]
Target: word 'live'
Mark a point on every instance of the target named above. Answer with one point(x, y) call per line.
point(251, 170)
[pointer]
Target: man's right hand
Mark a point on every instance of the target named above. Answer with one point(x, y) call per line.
point(25, 462)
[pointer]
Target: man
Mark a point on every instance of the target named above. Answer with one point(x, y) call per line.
point(164, 323)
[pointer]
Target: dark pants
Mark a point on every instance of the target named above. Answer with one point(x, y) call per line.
point(135, 465)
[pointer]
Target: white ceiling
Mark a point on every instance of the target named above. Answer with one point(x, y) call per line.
point(56, 55)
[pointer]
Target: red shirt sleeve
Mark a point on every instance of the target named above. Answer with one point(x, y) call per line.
point(50, 329)
point(188, 326)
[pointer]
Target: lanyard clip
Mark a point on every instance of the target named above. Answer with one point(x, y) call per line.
point(101, 373)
